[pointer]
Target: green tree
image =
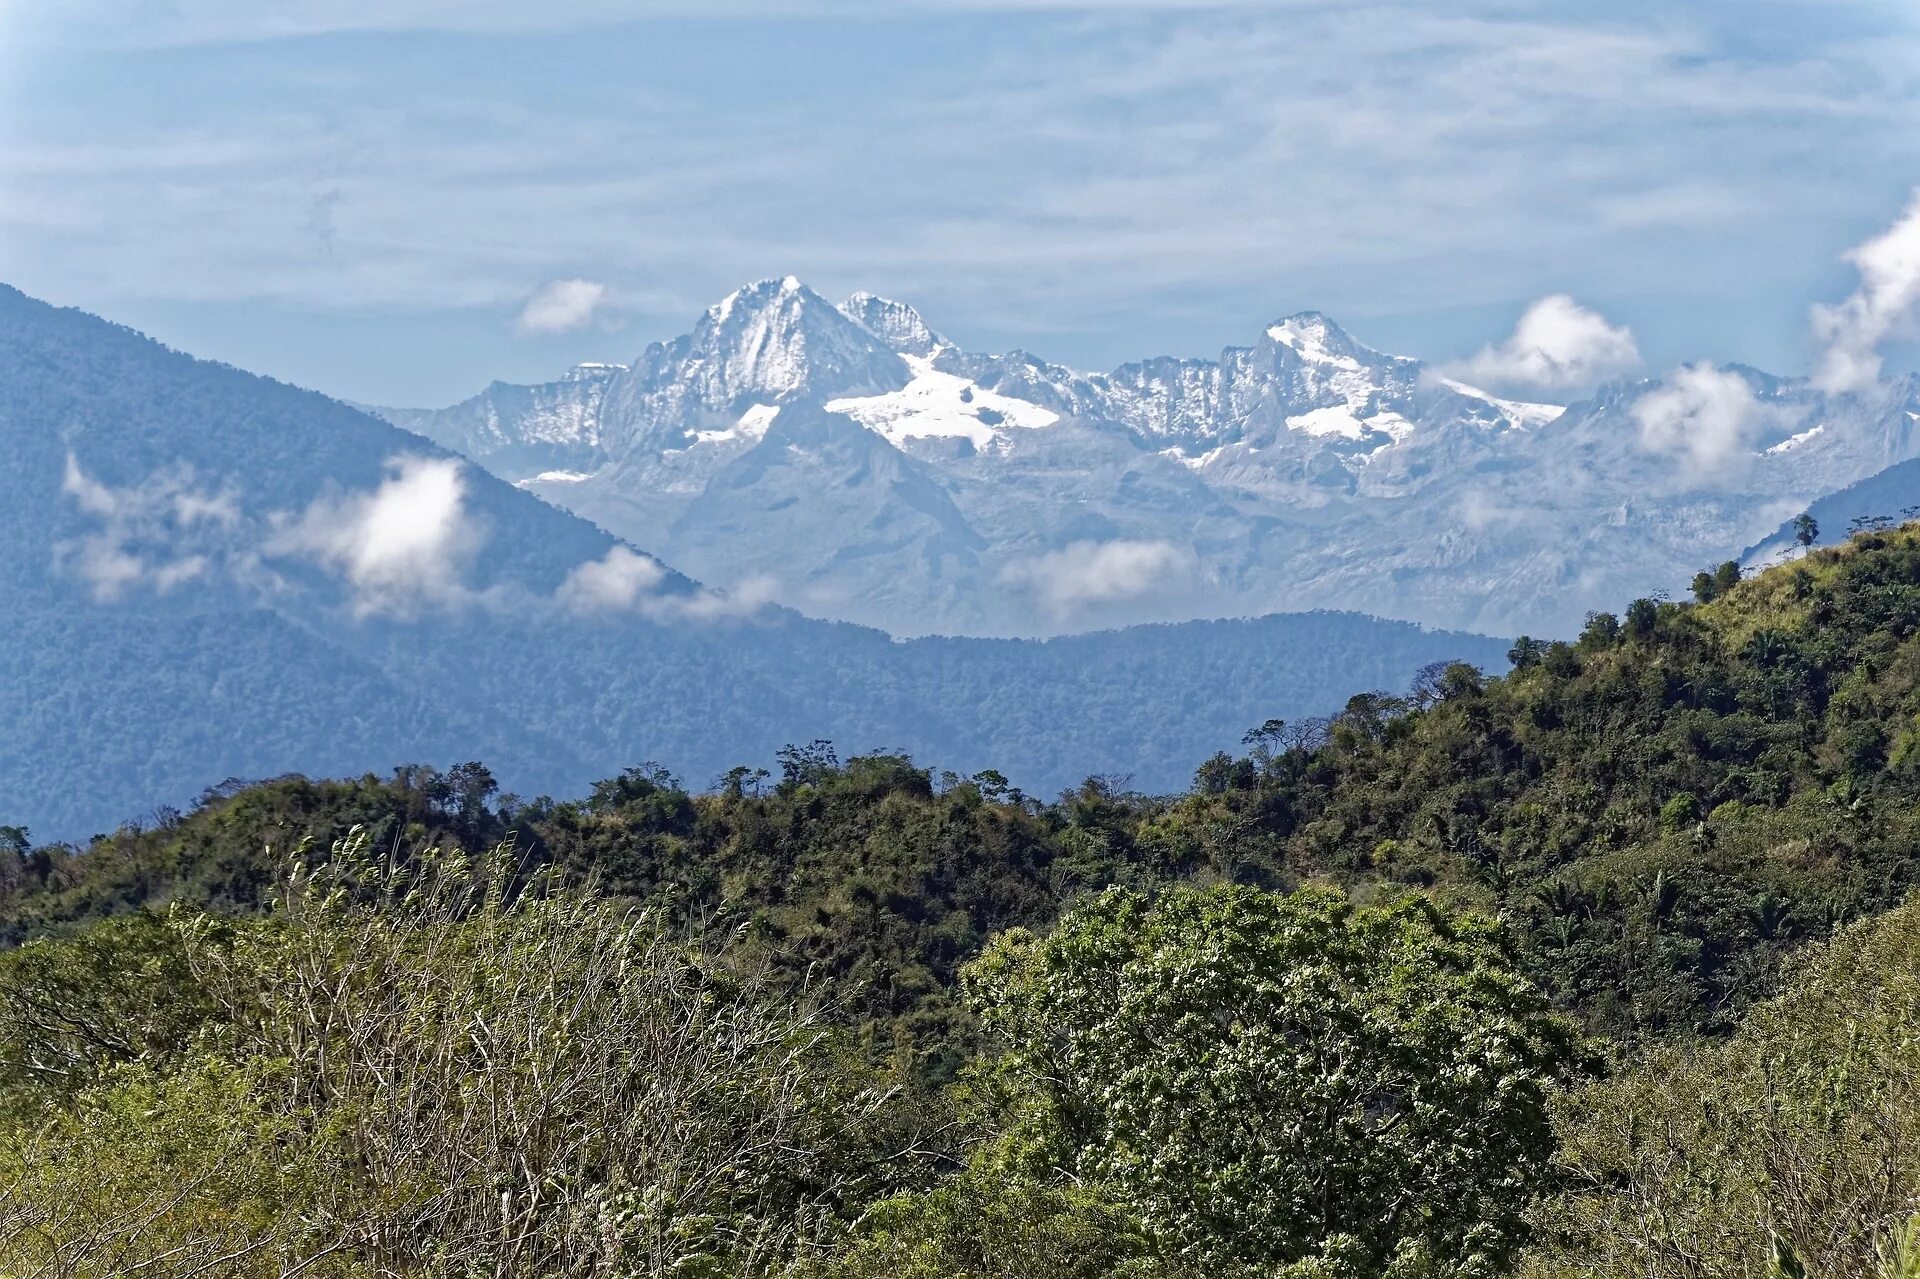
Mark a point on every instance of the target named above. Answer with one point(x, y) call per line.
point(1642, 616)
point(1806, 530)
point(1601, 630)
point(1711, 584)
point(1291, 1080)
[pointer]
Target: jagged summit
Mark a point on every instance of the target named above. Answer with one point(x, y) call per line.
point(1313, 336)
point(778, 339)
point(895, 323)
point(221, 506)
point(756, 294)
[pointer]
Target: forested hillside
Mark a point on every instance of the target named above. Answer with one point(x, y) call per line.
point(209, 574)
point(1516, 974)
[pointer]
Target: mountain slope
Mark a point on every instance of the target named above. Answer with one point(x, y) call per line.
point(1662, 808)
point(1304, 470)
point(211, 574)
point(120, 706)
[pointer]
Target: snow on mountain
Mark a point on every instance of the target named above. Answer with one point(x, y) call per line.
point(942, 405)
point(780, 339)
point(767, 343)
point(190, 551)
point(750, 425)
point(1518, 413)
point(873, 470)
point(1890, 495)
point(1327, 365)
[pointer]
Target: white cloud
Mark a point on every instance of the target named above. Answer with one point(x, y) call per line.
point(619, 580)
point(1480, 509)
point(401, 547)
point(744, 600)
point(560, 306)
point(153, 534)
point(174, 572)
point(1090, 573)
point(91, 495)
point(1700, 415)
point(111, 572)
point(1558, 345)
point(1883, 305)
point(191, 508)
point(624, 580)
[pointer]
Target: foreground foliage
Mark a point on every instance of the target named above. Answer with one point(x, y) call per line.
point(858, 1019)
point(445, 1068)
point(1283, 1080)
point(428, 1072)
point(1796, 1137)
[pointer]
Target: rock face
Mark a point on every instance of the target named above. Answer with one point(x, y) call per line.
point(509, 428)
point(861, 466)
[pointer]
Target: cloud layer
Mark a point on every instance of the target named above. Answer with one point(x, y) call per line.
point(159, 534)
point(621, 579)
point(1702, 416)
point(561, 306)
point(1852, 331)
point(402, 548)
point(624, 581)
point(1557, 346)
point(1089, 573)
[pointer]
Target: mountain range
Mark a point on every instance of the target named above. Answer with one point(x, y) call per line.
point(852, 462)
point(210, 574)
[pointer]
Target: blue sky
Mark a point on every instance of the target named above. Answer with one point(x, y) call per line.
point(363, 195)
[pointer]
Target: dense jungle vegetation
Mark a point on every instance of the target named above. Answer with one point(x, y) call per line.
point(1604, 966)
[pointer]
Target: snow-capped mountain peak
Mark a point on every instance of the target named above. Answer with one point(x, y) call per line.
point(1312, 336)
point(755, 294)
point(884, 474)
point(1328, 351)
point(1319, 382)
point(779, 339)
